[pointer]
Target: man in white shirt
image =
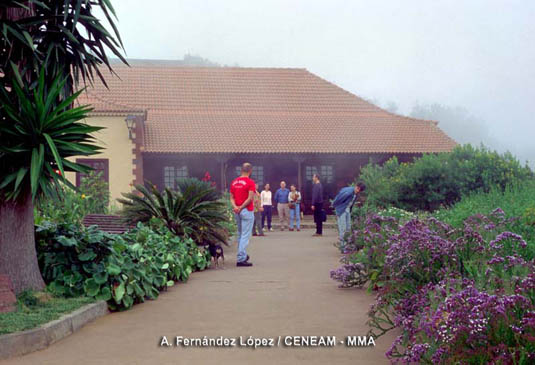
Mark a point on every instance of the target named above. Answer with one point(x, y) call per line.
point(265, 200)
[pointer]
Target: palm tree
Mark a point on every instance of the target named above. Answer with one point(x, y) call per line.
point(46, 48)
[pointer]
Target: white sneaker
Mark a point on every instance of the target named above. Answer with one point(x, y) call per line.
point(271, 229)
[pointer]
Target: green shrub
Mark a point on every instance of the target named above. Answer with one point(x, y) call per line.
point(517, 201)
point(195, 210)
point(121, 269)
point(230, 223)
point(436, 180)
point(91, 197)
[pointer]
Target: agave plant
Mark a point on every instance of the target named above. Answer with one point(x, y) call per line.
point(41, 138)
point(193, 210)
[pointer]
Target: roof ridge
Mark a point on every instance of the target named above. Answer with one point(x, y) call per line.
point(219, 68)
point(127, 107)
point(370, 103)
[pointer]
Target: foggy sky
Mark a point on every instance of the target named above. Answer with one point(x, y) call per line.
point(479, 55)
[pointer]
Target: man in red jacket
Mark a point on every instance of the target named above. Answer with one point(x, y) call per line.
point(242, 190)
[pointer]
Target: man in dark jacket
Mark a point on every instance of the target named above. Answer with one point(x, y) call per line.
point(317, 204)
point(343, 205)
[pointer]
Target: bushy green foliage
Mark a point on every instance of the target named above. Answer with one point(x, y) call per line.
point(436, 180)
point(70, 206)
point(121, 269)
point(194, 210)
point(39, 132)
point(230, 224)
point(517, 201)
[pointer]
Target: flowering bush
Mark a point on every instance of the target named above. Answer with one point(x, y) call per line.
point(461, 295)
point(402, 215)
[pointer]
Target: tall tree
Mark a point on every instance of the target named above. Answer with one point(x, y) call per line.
point(47, 48)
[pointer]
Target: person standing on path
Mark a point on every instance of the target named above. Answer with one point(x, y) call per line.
point(343, 205)
point(281, 199)
point(257, 226)
point(267, 205)
point(242, 190)
point(317, 204)
point(294, 204)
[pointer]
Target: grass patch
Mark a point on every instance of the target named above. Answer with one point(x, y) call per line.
point(32, 311)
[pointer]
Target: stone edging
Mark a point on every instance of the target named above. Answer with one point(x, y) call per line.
point(24, 342)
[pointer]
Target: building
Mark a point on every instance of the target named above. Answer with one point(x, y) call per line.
point(166, 121)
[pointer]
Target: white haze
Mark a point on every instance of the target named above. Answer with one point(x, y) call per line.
point(473, 55)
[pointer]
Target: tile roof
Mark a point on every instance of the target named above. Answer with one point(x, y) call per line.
point(257, 110)
point(107, 223)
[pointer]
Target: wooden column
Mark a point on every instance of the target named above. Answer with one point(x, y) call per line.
point(223, 160)
point(299, 159)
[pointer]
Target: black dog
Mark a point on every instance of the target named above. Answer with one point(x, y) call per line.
point(216, 251)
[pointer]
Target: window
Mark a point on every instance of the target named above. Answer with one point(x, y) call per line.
point(257, 174)
point(98, 164)
point(172, 173)
point(310, 171)
point(326, 173)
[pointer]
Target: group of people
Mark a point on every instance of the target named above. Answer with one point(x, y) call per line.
point(288, 203)
point(252, 208)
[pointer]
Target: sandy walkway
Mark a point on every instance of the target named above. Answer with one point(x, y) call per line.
point(287, 292)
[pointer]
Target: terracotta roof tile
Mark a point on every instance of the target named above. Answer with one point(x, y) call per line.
point(199, 110)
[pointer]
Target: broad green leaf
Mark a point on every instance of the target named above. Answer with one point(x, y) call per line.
point(105, 294)
point(113, 269)
point(91, 287)
point(67, 241)
point(87, 256)
point(118, 293)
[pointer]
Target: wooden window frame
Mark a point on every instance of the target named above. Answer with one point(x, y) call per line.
point(89, 162)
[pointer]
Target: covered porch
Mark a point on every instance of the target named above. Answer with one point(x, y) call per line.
point(336, 170)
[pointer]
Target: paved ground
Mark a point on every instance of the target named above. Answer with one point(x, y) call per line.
point(287, 292)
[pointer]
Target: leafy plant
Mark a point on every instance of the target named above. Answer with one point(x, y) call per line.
point(440, 180)
point(63, 37)
point(194, 210)
point(71, 206)
point(41, 137)
point(121, 269)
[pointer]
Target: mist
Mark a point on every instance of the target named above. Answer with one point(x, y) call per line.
point(469, 65)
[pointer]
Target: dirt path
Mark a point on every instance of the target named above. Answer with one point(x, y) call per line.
point(287, 292)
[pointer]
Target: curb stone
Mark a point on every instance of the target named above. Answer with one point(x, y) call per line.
point(24, 342)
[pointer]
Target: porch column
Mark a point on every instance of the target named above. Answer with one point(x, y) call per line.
point(223, 161)
point(299, 159)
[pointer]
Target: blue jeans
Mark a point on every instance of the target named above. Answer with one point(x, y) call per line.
point(344, 224)
point(295, 214)
point(244, 221)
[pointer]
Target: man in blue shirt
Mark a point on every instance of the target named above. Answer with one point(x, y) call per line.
point(281, 199)
point(343, 204)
